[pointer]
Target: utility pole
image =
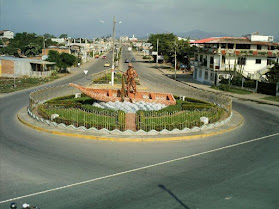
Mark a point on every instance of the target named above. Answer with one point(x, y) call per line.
point(175, 60)
point(112, 64)
point(44, 44)
point(157, 50)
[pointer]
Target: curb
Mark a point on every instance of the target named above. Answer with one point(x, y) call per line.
point(151, 139)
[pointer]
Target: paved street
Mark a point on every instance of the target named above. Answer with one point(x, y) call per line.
point(214, 172)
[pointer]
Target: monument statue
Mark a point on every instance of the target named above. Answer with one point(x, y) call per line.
point(131, 76)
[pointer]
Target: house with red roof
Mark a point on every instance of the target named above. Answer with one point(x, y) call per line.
point(219, 57)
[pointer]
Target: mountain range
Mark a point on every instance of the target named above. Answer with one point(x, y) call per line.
point(198, 34)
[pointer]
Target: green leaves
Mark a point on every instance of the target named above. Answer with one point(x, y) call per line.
point(167, 44)
point(29, 43)
point(273, 74)
point(62, 60)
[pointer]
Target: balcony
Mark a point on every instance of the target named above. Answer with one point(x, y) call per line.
point(249, 52)
point(241, 52)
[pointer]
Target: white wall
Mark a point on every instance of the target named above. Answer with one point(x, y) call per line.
point(22, 68)
point(260, 38)
point(8, 34)
point(251, 65)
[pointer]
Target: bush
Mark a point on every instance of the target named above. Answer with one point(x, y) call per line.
point(147, 57)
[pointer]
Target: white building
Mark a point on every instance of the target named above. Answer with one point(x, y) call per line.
point(6, 34)
point(217, 57)
point(133, 39)
point(124, 38)
point(59, 40)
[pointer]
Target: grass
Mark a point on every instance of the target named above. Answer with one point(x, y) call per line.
point(272, 98)
point(78, 117)
point(7, 84)
point(80, 112)
point(177, 120)
point(228, 88)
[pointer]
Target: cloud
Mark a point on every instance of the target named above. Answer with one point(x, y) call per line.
point(82, 17)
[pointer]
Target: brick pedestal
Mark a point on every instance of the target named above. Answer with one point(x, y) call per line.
point(130, 121)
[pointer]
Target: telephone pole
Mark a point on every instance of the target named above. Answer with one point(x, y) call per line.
point(112, 66)
point(175, 60)
point(157, 51)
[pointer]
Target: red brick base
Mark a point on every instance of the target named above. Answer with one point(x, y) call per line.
point(130, 121)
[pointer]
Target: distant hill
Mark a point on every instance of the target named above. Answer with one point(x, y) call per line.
point(198, 34)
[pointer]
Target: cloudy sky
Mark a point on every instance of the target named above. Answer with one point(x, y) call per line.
point(81, 18)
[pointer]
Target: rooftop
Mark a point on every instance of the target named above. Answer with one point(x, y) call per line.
point(34, 61)
point(236, 40)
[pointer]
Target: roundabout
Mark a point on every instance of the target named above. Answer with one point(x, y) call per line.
point(228, 170)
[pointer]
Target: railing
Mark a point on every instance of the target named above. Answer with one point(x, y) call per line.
point(116, 120)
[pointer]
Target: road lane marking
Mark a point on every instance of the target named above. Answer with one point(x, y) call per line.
point(139, 169)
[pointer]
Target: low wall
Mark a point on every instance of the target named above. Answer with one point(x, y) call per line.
point(42, 95)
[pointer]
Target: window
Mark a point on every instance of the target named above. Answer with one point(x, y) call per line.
point(259, 47)
point(212, 76)
point(223, 46)
point(230, 46)
point(206, 75)
point(241, 61)
point(258, 61)
point(242, 46)
point(211, 60)
point(200, 73)
point(223, 59)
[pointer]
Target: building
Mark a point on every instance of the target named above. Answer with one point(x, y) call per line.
point(6, 34)
point(133, 39)
point(17, 67)
point(59, 40)
point(218, 57)
point(58, 49)
point(124, 38)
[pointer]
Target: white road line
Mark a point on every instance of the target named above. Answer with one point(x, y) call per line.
point(138, 169)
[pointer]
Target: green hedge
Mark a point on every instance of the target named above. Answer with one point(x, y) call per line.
point(105, 119)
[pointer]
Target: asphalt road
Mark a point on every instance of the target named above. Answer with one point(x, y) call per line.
point(214, 172)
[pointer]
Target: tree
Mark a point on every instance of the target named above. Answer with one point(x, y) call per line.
point(63, 35)
point(29, 43)
point(62, 60)
point(53, 56)
point(32, 49)
point(48, 36)
point(166, 44)
point(273, 74)
point(67, 60)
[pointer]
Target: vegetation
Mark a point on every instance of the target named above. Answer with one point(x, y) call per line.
point(272, 98)
point(80, 112)
point(7, 84)
point(146, 57)
point(228, 88)
point(273, 74)
point(237, 81)
point(107, 78)
point(168, 43)
point(63, 35)
point(27, 44)
point(183, 114)
point(62, 60)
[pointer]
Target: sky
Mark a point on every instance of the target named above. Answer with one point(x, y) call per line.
point(82, 18)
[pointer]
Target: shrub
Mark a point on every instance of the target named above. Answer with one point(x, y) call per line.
point(146, 57)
